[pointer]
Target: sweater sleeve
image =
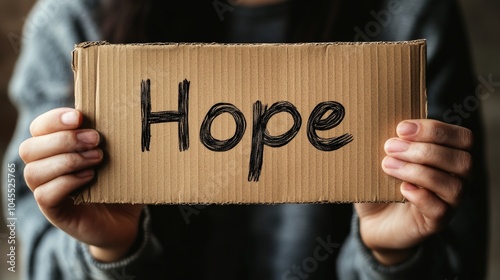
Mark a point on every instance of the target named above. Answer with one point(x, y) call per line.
point(43, 80)
point(454, 97)
point(357, 263)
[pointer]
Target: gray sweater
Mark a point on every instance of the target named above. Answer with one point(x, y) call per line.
point(43, 81)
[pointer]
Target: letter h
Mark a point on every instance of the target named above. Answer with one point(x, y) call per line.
point(180, 116)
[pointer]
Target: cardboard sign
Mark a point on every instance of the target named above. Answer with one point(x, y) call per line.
point(247, 123)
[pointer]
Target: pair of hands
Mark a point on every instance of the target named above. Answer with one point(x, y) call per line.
point(429, 156)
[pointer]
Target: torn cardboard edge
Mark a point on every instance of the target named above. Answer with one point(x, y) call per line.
point(84, 45)
point(111, 82)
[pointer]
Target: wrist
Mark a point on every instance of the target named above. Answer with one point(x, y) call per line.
point(116, 253)
point(108, 255)
point(390, 257)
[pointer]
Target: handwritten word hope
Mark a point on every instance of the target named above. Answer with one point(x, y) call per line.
point(325, 116)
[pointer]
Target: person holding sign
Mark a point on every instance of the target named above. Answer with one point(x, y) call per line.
point(438, 233)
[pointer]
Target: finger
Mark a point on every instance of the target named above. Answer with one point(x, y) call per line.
point(432, 131)
point(447, 159)
point(55, 192)
point(56, 120)
point(42, 171)
point(434, 210)
point(444, 185)
point(58, 143)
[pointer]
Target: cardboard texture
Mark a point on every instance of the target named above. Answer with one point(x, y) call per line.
point(247, 123)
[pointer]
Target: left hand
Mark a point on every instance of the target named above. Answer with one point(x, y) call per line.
point(432, 160)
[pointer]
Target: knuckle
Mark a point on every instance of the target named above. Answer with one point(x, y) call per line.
point(72, 162)
point(465, 164)
point(66, 138)
point(423, 152)
point(439, 133)
point(413, 171)
point(466, 136)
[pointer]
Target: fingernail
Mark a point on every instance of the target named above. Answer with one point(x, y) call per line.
point(88, 137)
point(395, 146)
point(85, 173)
point(70, 118)
point(407, 128)
point(92, 154)
point(392, 163)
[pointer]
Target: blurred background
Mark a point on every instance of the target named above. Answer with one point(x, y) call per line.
point(482, 18)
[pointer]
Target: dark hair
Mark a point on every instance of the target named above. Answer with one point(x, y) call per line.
point(138, 21)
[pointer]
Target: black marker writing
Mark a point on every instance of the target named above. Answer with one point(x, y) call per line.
point(325, 116)
point(205, 131)
point(261, 137)
point(317, 122)
point(180, 116)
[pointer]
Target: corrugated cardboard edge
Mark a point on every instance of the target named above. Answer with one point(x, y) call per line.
point(85, 45)
point(89, 87)
point(423, 81)
point(85, 90)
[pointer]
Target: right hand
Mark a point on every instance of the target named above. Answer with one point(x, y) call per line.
point(59, 160)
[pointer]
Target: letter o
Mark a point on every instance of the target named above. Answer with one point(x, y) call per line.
point(216, 145)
